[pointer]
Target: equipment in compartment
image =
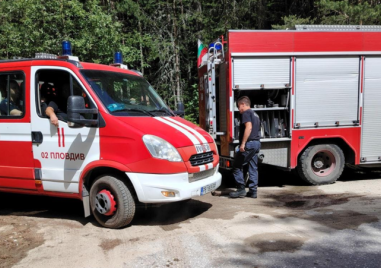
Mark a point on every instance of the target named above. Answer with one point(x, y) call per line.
point(274, 123)
point(236, 127)
point(273, 115)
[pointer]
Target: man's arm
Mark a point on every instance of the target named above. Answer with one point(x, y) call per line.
point(52, 115)
point(246, 134)
point(15, 112)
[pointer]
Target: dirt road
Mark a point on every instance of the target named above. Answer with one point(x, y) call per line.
point(289, 225)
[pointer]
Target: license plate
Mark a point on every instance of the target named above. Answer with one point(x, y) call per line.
point(208, 188)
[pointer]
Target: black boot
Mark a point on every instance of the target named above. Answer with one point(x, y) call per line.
point(241, 192)
point(252, 193)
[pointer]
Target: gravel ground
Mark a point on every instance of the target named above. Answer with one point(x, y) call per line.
point(289, 225)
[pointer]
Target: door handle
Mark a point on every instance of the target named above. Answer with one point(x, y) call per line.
point(37, 137)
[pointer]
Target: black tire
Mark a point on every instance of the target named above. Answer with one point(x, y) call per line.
point(125, 203)
point(321, 164)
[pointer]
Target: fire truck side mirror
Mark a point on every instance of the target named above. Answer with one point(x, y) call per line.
point(76, 107)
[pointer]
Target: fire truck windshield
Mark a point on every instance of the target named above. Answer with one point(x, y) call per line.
point(125, 94)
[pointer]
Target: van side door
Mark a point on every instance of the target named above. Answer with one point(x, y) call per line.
point(16, 157)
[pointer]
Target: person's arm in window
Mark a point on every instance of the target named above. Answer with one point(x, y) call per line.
point(16, 112)
point(52, 115)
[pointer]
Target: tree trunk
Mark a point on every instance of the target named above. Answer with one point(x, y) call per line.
point(141, 47)
point(176, 52)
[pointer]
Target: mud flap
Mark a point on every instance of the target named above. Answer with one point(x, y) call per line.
point(86, 201)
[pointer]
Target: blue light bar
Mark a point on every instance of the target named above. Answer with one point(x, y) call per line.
point(215, 46)
point(118, 58)
point(66, 48)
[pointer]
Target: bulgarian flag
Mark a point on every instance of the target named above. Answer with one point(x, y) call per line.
point(201, 53)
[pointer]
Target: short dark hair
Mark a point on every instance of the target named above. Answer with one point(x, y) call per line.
point(14, 85)
point(245, 100)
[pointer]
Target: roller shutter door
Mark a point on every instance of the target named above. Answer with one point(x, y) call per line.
point(327, 90)
point(371, 123)
point(252, 72)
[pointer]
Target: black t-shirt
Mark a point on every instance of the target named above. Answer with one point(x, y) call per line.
point(4, 107)
point(250, 116)
point(56, 108)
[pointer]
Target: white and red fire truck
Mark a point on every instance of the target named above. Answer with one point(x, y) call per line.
point(317, 90)
point(116, 143)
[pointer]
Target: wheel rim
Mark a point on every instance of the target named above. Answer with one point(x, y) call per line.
point(105, 203)
point(323, 163)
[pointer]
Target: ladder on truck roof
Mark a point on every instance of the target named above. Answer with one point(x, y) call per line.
point(214, 58)
point(339, 28)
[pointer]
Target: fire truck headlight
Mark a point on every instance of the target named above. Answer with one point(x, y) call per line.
point(161, 149)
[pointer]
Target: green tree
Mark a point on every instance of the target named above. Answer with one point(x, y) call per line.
point(289, 22)
point(157, 37)
point(354, 12)
point(30, 26)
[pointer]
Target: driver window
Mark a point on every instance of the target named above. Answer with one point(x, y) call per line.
point(53, 90)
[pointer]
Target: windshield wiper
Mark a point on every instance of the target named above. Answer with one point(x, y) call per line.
point(133, 110)
point(164, 110)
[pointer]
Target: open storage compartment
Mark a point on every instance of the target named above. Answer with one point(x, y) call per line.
point(272, 107)
point(267, 82)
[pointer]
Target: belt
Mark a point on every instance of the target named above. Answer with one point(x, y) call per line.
point(251, 140)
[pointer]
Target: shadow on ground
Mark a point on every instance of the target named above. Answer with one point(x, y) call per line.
point(273, 177)
point(42, 207)
point(268, 177)
point(71, 209)
point(169, 215)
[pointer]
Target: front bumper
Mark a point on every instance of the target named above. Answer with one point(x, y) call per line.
point(148, 187)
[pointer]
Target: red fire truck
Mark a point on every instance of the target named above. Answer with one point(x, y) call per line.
point(116, 143)
point(317, 90)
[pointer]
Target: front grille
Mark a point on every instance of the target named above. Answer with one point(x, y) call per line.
point(201, 159)
point(201, 175)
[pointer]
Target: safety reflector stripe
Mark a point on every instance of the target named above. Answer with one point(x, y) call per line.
point(59, 137)
point(182, 130)
point(196, 133)
point(63, 137)
point(206, 167)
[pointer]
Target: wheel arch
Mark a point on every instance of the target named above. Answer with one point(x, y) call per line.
point(99, 168)
point(348, 150)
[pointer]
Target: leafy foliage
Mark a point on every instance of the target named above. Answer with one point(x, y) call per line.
point(159, 37)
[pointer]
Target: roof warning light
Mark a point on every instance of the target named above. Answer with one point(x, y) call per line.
point(66, 52)
point(118, 58)
point(118, 61)
point(66, 48)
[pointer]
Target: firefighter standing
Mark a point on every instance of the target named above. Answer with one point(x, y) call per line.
point(249, 140)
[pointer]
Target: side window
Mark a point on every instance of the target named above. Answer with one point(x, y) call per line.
point(12, 95)
point(53, 90)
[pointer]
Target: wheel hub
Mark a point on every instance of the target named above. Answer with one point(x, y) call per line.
point(323, 163)
point(105, 203)
point(319, 162)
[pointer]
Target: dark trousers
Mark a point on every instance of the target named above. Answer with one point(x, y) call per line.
point(250, 157)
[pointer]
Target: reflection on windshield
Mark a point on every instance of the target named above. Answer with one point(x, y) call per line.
point(126, 94)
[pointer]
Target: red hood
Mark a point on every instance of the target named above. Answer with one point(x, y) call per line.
point(175, 130)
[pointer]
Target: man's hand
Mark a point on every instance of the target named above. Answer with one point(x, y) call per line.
point(242, 147)
point(54, 120)
point(16, 112)
point(53, 117)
